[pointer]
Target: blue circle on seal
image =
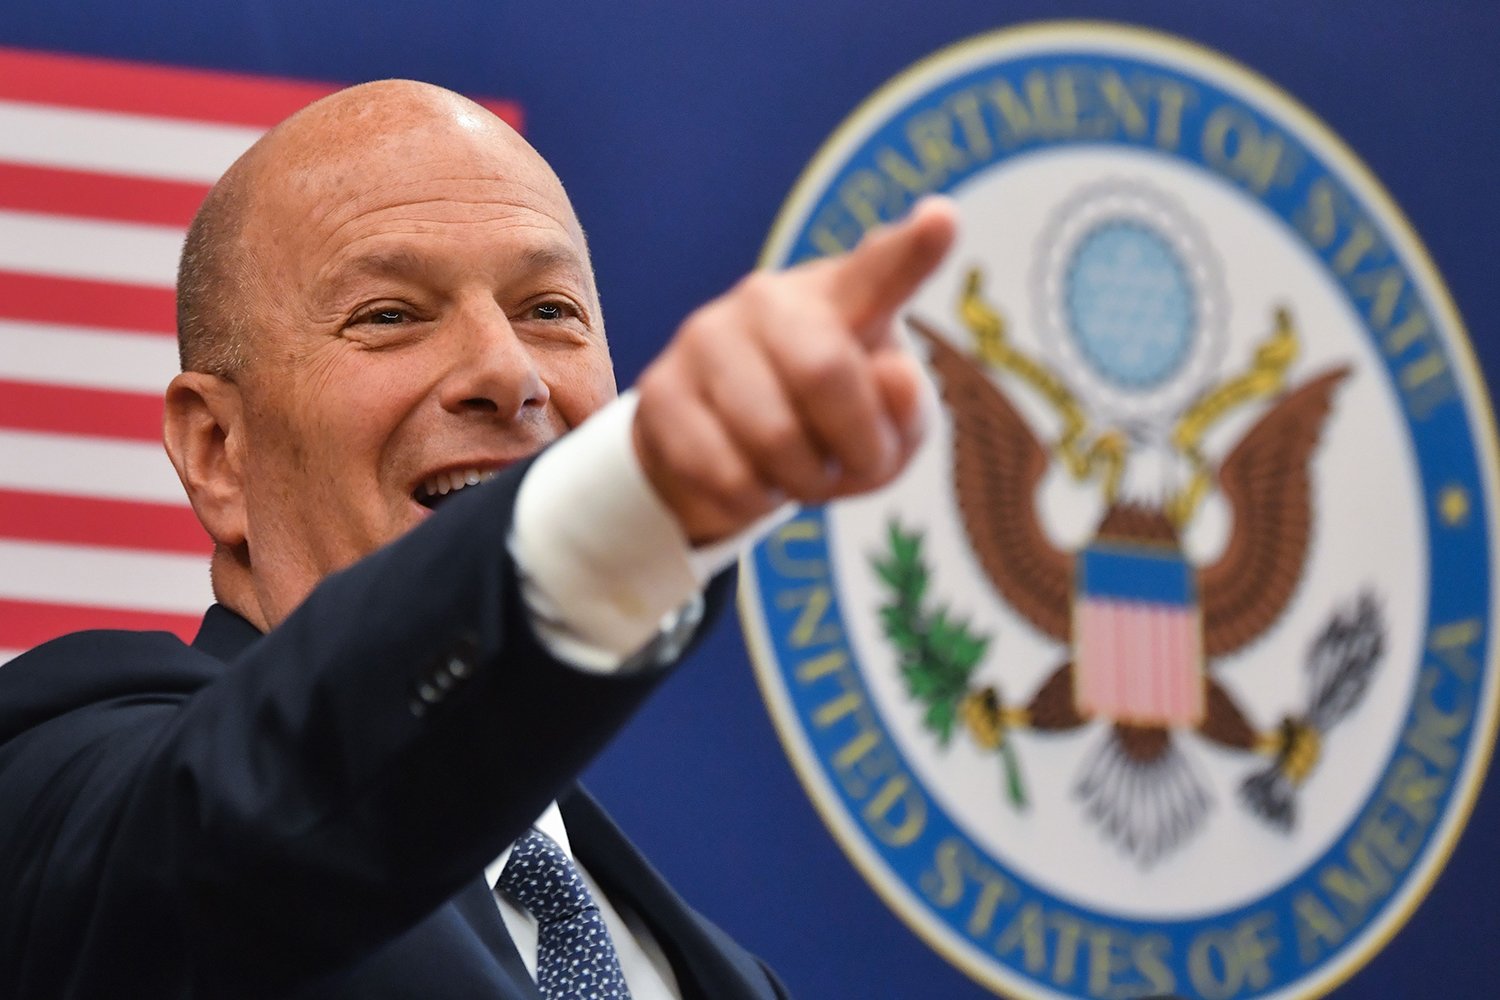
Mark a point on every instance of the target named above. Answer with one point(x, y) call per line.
point(1129, 304)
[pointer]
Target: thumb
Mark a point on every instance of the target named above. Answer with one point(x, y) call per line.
point(876, 278)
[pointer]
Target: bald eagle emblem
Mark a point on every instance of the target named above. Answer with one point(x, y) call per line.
point(1168, 664)
point(1143, 630)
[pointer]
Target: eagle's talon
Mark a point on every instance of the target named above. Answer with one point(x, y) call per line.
point(1297, 747)
point(1301, 749)
point(981, 713)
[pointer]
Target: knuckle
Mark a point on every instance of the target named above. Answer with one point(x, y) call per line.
point(698, 325)
point(817, 489)
point(654, 383)
point(758, 290)
point(734, 488)
point(867, 452)
point(713, 472)
point(807, 483)
point(862, 464)
point(777, 438)
point(822, 364)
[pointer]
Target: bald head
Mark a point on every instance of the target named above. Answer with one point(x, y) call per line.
point(390, 286)
point(290, 171)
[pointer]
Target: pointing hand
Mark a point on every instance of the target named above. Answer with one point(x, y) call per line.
point(792, 385)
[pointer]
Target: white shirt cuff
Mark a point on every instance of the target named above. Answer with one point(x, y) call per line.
point(606, 571)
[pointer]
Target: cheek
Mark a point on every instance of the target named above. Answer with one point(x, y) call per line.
point(581, 384)
point(322, 448)
point(353, 419)
point(352, 403)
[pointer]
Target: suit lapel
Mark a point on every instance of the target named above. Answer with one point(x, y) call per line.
point(477, 906)
point(458, 952)
point(707, 963)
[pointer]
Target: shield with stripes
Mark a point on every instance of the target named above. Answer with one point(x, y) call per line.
point(102, 165)
point(1139, 638)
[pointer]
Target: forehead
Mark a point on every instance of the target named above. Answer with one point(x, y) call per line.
point(381, 193)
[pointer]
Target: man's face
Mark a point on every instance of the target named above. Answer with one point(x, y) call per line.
point(425, 315)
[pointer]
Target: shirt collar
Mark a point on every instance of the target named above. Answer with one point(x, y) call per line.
point(550, 822)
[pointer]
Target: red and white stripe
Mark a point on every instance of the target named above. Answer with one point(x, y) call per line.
point(102, 165)
point(1139, 663)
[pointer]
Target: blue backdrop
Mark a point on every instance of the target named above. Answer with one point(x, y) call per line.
point(678, 129)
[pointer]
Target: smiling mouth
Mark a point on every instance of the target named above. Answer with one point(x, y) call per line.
point(439, 487)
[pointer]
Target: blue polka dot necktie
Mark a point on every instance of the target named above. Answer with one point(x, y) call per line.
point(575, 958)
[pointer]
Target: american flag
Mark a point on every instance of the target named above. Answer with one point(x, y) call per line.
point(102, 165)
point(1139, 642)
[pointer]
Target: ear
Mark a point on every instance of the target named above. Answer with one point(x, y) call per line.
point(203, 431)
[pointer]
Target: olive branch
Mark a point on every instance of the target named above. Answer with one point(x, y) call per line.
point(938, 653)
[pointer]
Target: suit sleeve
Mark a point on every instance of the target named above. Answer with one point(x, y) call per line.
point(345, 775)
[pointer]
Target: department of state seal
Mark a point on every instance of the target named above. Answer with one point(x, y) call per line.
point(1166, 666)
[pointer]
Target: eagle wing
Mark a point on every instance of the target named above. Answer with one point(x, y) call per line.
point(1266, 481)
point(997, 465)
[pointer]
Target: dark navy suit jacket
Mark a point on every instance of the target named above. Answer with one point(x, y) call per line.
point(308, 813)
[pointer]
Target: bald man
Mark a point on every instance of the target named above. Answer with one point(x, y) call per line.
point(435, 604)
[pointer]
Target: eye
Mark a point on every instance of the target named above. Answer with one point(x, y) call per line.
point(384, 316)
point(556, 318)
point(387, 323)
point(551, 311)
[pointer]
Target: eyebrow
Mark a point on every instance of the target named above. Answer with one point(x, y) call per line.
point(385, 264)
point(554, 255)
point(403, 263)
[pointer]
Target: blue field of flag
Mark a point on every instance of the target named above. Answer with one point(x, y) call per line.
point(1136, 573)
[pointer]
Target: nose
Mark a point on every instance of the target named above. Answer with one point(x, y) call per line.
point(493, 373)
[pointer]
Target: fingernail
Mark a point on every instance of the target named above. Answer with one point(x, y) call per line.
point(892, 444)
point(914, 430)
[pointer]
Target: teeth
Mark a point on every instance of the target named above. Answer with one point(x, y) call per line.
point(444, 483)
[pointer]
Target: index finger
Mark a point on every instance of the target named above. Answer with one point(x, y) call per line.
point(873, 280)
